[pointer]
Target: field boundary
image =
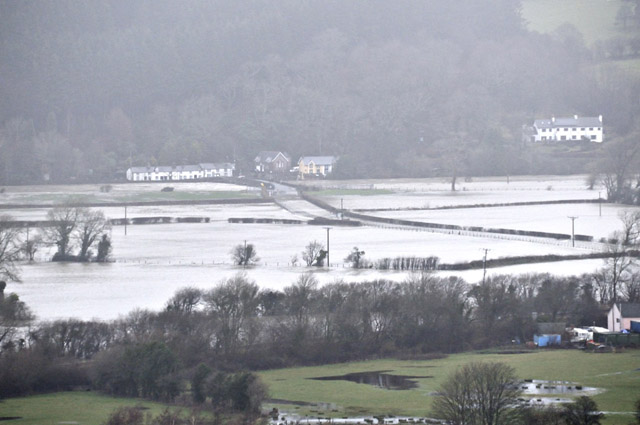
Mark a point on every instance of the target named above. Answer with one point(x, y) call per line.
point(444, 227)
point(470, 206)
point(145, 203)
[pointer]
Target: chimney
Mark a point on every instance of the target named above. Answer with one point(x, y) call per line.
point(553, 119)
point(575, 117)
point(600, 118)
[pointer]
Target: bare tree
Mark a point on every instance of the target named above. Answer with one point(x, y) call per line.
point(185, 300)
point(232, 303)
point(312, 253)
point(630, 233)
point(355, 257)
point(616, 166)
point(583, 411)
point(9, 249)
point(244, 254)
point(90, 225)
point(13, 314)
point(104, 249)
point(30, 246)
point(299, 299)
point(479, 393)
point(63, 221)
point(631, 288)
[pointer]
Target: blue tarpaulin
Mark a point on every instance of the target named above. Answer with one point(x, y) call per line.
point(547, 339)
point(635, 326)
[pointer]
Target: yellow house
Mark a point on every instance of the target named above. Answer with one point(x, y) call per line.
point(316, 166)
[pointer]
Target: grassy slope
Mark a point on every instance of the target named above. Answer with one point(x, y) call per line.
point(83, 408)
point(617, 373)
point(595, 19)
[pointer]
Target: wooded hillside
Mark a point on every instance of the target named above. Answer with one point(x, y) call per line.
point(411, 88)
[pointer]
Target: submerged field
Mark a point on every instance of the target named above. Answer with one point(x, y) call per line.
point(155, 260)
point(615, 375)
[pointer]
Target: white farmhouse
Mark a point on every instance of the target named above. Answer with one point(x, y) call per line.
point(621, 314)
point(566, 129)
point(181, 172)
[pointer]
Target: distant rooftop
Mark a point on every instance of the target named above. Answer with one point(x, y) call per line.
point(574, 121)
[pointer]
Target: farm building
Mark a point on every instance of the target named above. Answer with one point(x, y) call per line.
point(181, 172)
point(565, 129)
point(621, 314)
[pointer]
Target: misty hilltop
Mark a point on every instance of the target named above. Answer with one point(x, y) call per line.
point(407, 88)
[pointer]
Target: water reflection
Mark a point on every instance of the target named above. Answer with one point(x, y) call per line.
point(536, 387)
point(380, 379)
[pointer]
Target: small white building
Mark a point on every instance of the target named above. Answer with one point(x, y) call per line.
point(181, 172)
point(621, 314)
point(566, 129)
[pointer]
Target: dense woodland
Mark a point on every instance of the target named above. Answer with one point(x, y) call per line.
point(394, 89)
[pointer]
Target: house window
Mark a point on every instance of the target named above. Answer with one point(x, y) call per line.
point(566, 129)
point(593, 137)
point(617, 320)
point(544, 137)
point(563, 138)
point(582, 129)
point(591, 128)
point(573, 129)
point(599, 129)
point(573, 137)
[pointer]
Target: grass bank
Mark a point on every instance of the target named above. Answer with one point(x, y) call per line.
point(617, 374)
point(78, 408)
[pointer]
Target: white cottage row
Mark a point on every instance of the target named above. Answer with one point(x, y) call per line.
point(566, 129)
point(181, 172)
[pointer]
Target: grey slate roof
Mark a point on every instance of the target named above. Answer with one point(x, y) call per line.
point(569, 122)
point(187, 168)
point(630, 309)
point(268, 156)
point(318, 160)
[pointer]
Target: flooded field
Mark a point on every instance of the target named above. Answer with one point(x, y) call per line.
point(153, 261)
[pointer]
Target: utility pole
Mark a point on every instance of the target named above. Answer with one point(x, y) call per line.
point(328, 264)
point(484, 264)
point(573, 235)
point(599, 205)
point(125, 220)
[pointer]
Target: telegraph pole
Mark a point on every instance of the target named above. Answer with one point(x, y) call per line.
point(125, 220)
point(484, 264)
point(599, 205)
point(573, 235)
point(328, 264)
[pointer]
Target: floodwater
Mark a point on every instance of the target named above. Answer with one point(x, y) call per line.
point(537, 387)
point(153, 261)
point(380, 379)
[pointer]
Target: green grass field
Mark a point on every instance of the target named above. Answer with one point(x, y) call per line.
point(617, 374)
point(78, 408)
point(595, 19)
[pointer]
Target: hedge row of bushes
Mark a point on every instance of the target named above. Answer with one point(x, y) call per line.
point(408, 263)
